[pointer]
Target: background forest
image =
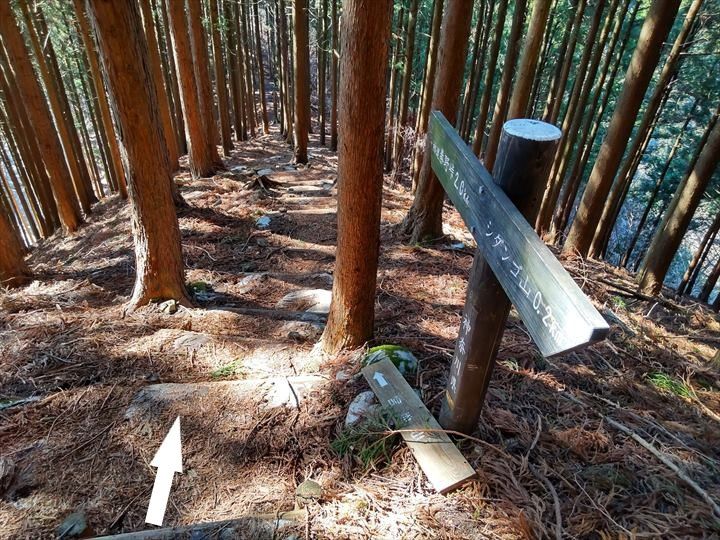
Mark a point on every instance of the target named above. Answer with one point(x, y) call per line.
point(210, 209)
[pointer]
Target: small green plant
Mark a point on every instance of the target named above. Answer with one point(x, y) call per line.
point(668, 383)
point(511, 364)
point(227, 370)
point(368, 442)
point(618, 302)
point(199, 287)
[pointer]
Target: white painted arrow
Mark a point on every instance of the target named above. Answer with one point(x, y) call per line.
point(168, 460)
point(380, 379)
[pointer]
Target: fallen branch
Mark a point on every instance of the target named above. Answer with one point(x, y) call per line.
point(658, 454)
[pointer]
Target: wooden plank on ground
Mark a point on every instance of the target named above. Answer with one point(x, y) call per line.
point(440, 460)
point(556, 312)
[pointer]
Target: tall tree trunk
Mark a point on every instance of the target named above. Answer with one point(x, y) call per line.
point(78, 173)
point(251, 107)
point(202, 162)
point(158, 254)
point(562, 67)
point(322, 70)
point(392, 97)
point(593, 123)
point(688, 280)
point(220, 81)
point(503, 96)
point(157, 79)
point(529, 59)
point(405, 89)
point(668, 236)
point(710, 283)
point(424, 220)
point(489, 78)
point(24, 147)
point(99, 85)
point(200, 63)
point(14, 272)
point(642, 134)
point(233, 71)
point(301, 59)
point(474, 74)
point(334, 77)
point(657, 25)
point(428, 84)
point(578, 99)
point(40, 119)
point(366, 32)
point(285, 59)
point(172, 80)
point(261, 70)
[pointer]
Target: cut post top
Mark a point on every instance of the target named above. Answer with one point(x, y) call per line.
point(533, 130)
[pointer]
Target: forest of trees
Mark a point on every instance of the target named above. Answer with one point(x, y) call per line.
point(101, 98)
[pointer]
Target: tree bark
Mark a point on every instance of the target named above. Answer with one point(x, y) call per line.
point(366, 32)
point(392, 92)
point(40, 120)
point(158, 255)
point(172, 80)
point(201, 159)
point(657, 25)
point(424, 220)
point(322, 70)
point(301, 59)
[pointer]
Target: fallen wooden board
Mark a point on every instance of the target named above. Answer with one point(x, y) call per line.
point(440, 460)
point(261, 526)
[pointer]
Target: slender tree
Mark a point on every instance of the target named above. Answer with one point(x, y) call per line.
point(40, 120)
point(503, 95)
point(489, 77)
point(427, 95)
point(424, 220)
point(334, 55)
point(529, 59)
point(645, 58)
point(643, 132)
point(366, 32)
point(202, 162)
point(123, 49)
point(688, 280)
point(98, 84)
point(261, 69)
point(669, 234)
point(301, 60)
point(200, 64)
point(13, 269)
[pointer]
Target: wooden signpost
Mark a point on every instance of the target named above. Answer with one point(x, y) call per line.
point(512, 264)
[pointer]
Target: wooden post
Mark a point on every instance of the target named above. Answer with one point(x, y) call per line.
point(521, 169)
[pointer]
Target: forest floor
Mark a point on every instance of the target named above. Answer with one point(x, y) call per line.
point(75, 436)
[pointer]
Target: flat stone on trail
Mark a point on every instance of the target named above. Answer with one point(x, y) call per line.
point(181, 398)
point(264, 172)
point(312, 300)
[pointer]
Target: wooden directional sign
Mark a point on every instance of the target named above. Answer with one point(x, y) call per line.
point(438, 457)
point(555, 311)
